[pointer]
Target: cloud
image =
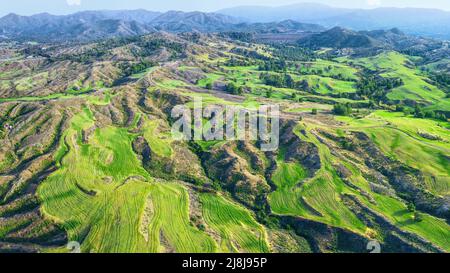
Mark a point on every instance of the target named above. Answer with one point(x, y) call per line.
point(73, 2)
point(374, 3)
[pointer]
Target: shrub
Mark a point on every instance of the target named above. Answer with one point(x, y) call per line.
point(342, 109)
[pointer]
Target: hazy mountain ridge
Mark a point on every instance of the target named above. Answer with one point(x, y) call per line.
point(299, 18)
point(377, 41)
point(302, 12)
point(91, 25)
point(427, 22)
point(80, 26)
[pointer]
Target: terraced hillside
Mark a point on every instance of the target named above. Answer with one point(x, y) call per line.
point(86, 152)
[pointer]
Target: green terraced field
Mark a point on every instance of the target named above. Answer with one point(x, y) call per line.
point(99, 184)
point(209, 79)
point(170, 228)
point(238, 231)
point(313, 198)
point(117, 182)
point(159, 143)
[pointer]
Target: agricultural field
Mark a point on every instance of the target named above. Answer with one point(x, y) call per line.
point(93, 160)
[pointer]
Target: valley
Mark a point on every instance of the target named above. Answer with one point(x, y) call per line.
point(86, 151)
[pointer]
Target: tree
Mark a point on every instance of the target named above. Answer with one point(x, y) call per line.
point(288, 81)
point(406, 112)
point(418, 112)
point(399, 108)
point(231, 88)
point(209, 85)
point(411, 207)
point(342, 109)
point(441, 116)
point(314, 111)
point(240, 90)
point(418, 217)
point(430, 114)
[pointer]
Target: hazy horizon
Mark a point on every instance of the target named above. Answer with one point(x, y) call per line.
point(61, 7)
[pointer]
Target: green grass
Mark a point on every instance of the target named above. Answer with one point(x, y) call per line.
point(238, 230)
point(80, 88)
point(102, 100)
point(329, 69)
point(285, 199)
point(416, 87)
point(318, 198)
point(324, 85)
point(434, 229)
point(431, 228)
point(105, 199)
point(209, 79)
point(170, 219)
point(398, 137)
point(98, 192)
point(7, 159)
point(159, 141)
point(143, 73)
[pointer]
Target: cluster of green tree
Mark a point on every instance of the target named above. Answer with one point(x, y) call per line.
point(273, 65)
point(234, 89)
point(285, 81)
point(306, 70)
point(412, 208)
point(240, 36)
point(87, 57)
point(130, 69)
point(97, 52)
point(193, 37)
point(376, 87)
point(237, 62)
point(249, 53)
point(420, 113)
point(342, 109)
point(277, 80)
point(441, 78)
point(148, 47)
point(293, 53)
point(34, 50)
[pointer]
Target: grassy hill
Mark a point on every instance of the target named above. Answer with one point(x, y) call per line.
point(87, 155)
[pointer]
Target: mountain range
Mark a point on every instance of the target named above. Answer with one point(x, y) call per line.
point(306, 17)
point(91, 25)
point(418, 21)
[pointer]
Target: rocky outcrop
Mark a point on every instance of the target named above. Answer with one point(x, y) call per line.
point(297, 150)
point(231, 171)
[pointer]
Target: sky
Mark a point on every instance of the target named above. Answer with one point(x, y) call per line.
point(28, 7)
